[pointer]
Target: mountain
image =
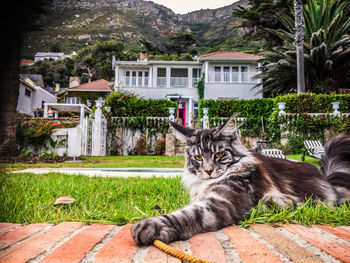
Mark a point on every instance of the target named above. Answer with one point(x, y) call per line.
point(73, 24)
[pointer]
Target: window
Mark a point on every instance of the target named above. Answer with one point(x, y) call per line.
point(195, 110)
point(235, 74)
point(127, 78)
point(139, 81)
point(244, 74)
point(73, 100)
point(27, 92)
point(146, 79)
point(133, 80)
point(226, 74)
point(217, 76)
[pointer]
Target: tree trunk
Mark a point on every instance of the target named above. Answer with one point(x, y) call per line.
point(299, 42)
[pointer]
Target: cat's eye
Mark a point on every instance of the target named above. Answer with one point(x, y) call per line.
point(219, 155)
point(198, 157)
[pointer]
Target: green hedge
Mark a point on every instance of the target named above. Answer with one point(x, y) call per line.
point(314, 103)
point(259, 113)
point(125, 104)
point(255, 108)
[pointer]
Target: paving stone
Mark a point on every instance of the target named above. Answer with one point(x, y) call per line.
point(284, 245)
point(119, 248)
point(337, 231)
point(337, 250)
point(36, 245)
point(74, 241)
point(11, 237)
point(4, 227)
point(76, 247)
point(208, 247)
point(249, 249)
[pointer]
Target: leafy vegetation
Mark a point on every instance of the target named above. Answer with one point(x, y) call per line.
point(326, 49)
point(29, 198)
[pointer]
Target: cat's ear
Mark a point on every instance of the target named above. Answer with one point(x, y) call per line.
point(186, 133)
point(228, 129)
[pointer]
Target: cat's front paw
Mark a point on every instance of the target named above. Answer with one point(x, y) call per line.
point(147, 230)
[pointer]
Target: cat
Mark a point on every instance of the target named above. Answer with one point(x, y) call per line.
point(225, 180)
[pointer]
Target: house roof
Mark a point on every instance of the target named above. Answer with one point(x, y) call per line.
point(28, 62)
point(36, 78)
point(100, 85)
point(229, 55)
point(49, 54)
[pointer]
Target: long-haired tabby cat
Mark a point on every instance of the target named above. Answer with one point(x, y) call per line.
point(225, 181)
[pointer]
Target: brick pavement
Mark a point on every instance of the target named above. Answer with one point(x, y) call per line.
point(78, 242)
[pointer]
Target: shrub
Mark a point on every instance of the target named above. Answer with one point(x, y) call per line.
point(126, 104)
point(160, 146)
point(141, 146)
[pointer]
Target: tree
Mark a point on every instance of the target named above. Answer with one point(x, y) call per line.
point(95, 61)
point(326, 51)
point(299, 43)
point(18, 18)
point(261, 14)
point(182, 43)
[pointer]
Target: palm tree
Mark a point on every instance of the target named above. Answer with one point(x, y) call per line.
point(326, 50)
point(299, 42)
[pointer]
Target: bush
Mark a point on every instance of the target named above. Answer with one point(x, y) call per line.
point(126, 104)
point(141, 146)
point(160, 146)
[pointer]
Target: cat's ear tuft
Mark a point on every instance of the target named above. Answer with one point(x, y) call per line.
point(228, 129)
point(188, 134)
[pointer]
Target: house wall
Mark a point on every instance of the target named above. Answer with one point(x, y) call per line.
point(42, 96)
point(24, 103)
point(230, 91)
point(161, 93)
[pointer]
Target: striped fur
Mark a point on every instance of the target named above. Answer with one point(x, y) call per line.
point(225, 181)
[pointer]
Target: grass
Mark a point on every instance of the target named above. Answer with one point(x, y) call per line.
point(29, 198)
point(125, 162)
point(107, 162)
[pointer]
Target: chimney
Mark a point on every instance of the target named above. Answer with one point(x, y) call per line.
point(143, 57)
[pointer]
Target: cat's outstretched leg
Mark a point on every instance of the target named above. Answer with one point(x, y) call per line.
point(207, 215)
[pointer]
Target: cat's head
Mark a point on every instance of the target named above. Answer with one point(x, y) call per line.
point(211, 153)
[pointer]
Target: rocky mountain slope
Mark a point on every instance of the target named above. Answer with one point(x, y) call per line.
point(73, 24)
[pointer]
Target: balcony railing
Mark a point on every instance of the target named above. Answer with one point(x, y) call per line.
point(131, 81)
point(179, 81)
point(232, 77)
point(161, 82)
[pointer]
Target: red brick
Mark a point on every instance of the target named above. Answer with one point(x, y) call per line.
point(120, 248)
point(7, 226)
point(337, 231)
point(34, 246)
point(9, 238)
point(155, 255)
point(206, 246)
point(249, 249)
point(176, 245)
point(337, 250)
point(74, 249)
point(285, 245)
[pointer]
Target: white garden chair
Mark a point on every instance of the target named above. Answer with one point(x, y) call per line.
point(275, 153)
point(313, 149)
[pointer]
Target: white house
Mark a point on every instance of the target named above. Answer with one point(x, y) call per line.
point(39, 56)
point(227, 75)
point(31, 97)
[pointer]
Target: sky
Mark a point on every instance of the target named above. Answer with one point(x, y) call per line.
point(185, 6)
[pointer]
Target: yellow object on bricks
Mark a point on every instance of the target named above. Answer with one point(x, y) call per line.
point(177, 253)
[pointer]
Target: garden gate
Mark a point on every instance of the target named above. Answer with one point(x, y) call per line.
point(93, 133)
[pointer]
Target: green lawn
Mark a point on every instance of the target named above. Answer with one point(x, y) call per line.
point(124, 162)
point(29, 198)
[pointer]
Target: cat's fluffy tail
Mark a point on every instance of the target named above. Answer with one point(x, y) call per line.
point(336, 161)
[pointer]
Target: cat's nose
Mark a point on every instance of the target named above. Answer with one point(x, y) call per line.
point(209, 171)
